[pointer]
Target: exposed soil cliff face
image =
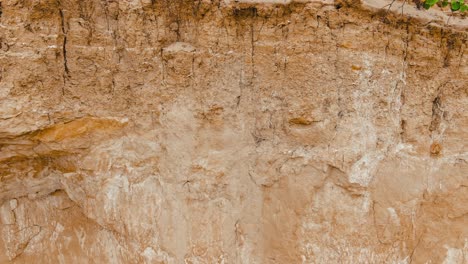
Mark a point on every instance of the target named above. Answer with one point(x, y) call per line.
point(231, 132)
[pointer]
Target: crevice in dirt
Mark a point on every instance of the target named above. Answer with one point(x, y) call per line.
point(64, 31)
point(252, 51)
point(437, 114)
point(23, 246)
point(414, 249)
point(407, 42)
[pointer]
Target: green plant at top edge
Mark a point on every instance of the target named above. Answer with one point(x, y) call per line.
point(455, 5)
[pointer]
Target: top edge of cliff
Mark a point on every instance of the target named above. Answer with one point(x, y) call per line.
point(404, 8)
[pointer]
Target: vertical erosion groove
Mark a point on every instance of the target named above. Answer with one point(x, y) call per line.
point(66, 72)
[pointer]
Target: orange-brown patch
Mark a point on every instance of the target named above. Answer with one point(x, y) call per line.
point(77, 128)
point(435, 149)
point(300, 121)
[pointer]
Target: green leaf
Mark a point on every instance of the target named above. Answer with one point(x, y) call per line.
point(445, 3)
point(426, 6)
point(455, 5)
point(461, 2)
point(431, 2)
point(463, 8)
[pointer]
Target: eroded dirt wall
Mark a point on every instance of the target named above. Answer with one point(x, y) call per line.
point(205, 131)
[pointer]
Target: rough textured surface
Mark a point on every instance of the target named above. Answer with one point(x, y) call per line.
point(171, 131)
